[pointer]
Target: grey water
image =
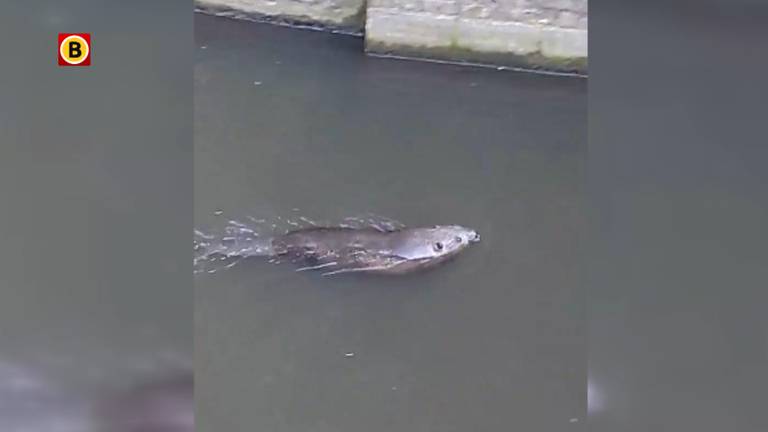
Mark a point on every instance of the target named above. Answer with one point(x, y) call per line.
point(678, 335)
point(93, 162)
point(287, 119)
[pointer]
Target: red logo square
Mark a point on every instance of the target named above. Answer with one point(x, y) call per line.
point(74, 49)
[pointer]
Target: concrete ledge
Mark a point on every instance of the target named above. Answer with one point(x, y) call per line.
point(348, 15)
point(531, 34)
point(456, 38)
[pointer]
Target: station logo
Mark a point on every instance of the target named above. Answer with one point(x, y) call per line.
point(74, 49)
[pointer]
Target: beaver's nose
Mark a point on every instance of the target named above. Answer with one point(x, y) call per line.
point(475, 236)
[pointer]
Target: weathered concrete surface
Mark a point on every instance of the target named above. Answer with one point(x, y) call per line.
point(345, 14)
point(550, 34)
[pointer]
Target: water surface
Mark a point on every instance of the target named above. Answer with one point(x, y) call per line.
point(94, 176)
point(495, 340)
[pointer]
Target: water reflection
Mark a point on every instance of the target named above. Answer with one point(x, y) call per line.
point(32, 402)
point(595, 401)
point(164, 405)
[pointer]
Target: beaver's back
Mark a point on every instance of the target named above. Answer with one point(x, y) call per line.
point(326, 239)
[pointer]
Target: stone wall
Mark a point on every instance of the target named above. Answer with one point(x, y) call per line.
point(547, 34)
point(343, 14)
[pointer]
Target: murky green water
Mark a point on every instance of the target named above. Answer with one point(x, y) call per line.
point(290, 119)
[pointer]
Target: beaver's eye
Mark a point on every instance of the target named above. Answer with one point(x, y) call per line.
point(438, 246)
point(458, 239)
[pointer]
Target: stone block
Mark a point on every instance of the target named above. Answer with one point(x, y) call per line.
point(538, 33)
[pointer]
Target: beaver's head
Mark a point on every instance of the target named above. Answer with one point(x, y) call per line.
point(436, 242)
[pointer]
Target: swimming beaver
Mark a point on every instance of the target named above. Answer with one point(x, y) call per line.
point(371, 250)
